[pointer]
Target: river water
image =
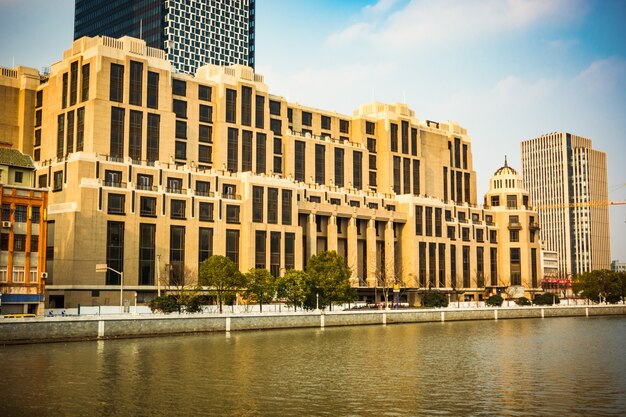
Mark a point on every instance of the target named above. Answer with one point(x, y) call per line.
point(557, 366)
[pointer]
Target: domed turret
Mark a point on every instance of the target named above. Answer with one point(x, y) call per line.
point(506, 188)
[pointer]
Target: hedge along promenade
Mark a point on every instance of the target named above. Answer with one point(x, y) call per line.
point(63, 329)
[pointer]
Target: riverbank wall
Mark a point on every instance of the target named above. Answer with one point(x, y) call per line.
point(62, 329)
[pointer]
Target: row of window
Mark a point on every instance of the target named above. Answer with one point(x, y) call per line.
point(70, 82)
point(19, 242)
point(20, 213)
point(18, 274)
point(70, 125)
point(258, 202)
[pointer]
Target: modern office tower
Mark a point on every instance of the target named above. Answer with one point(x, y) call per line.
point(152, 171)
point(22, 235)
point(191, 32)
point(567, 180)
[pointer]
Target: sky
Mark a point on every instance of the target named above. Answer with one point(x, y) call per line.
point(506, 70)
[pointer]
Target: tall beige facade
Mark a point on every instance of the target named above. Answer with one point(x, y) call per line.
point(567, 180)
point(151, 171)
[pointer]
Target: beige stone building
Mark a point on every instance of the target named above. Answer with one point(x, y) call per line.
point(151, 171)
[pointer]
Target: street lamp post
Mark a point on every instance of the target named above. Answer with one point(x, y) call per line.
point(104, 268)
point(317, 302)
point(159, 276)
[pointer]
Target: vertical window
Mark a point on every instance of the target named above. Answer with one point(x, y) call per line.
point(257, 204)
point(516, 267)
point(73, 82)
point(261, 139)
point(442, 265)
point(480, 266)
point(325, 123)
point(206, 113)
point(307, 118)
point(116, 203)
point(179, 107)
point(246, 151)
point(493, 257)
point(146, 253)
point(445, 183)
point(394, 137)
point(205, 134)
point(414, 141)
point(419, 210)
point(467, 187)
point(466, 267)
point(276, 127)
point(416, 177)
point(84, 96)
point(205, 211)
point(64, 91)
point(204, 92)
point(177, 254)
point(259, 121)
point(116, 84)
point(272, 205)
point(344, 126)
point(246, 106)
point(80, 129)
point(432, 264)
point(453, 266)
point(357, 170)
point(275, 107)
point(233, 150)
point(117, 132)
point(136, 83)
point(339, 167)
point(464, 156)
point(457, 153)
point(278, 164)
point(429, 221)
point(232, 214)
point(405, 137)
point(205, 244)
point(259, 249)
point(438, 222)
point(286, 207)
point(134, 140)
point(533, 266)
point(115, 252)
point(177, 209)
point(406, 175)
point(396, 174)
point(180, 150)
point(70, 131)
point(60, 135)
point(275, 253)
point(300, 161)
point(204, 154)
point(320, 164)
point(232, 246)
point(147, 207)
point(153, 90)
point(179, 88)
point(290, 240)
point(153, 137)
point(231, 106)
point(181, 129)
point(422, 264)
point(370, 128)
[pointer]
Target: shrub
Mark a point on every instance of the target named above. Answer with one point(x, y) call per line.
point(523, 301)
point(164, 304)
point(613, 298)
point(194, 304)
point(546, 299)
point(434, 299)
point(495, 300)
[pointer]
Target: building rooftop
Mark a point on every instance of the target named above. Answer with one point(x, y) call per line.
point(13, 157)
point(505, 169)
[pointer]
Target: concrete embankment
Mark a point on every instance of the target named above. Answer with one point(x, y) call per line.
point(57, 329)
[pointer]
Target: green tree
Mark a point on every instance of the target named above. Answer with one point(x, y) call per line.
point(329, 277)
point(605, 284)
point(262, 285)
point(434, 299)
point(164, 304)
point(292, 287)
point(495, 300)
point(221, 274)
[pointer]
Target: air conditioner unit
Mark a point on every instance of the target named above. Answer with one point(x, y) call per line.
point(6, 225)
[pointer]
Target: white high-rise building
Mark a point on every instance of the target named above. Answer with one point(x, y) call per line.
point(567, 180)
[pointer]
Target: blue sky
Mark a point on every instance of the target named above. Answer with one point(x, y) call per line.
point(507, 70)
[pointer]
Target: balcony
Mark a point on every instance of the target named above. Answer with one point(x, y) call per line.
point(533, 226)
point(515, 226)
point(146, 187)
point(115, 184)
point(174, 190)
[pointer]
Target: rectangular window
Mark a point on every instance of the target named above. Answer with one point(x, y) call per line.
point(339, 167)
point(233, 150)
point(416, 177)
point(246, 106)
point(205, 244)
point(180, 150)
point(179, 107)
point(20, 214)
point(516, 267)
point(135, 135)
point(344, 126)
point(205, 133)
point(147, 234)
point(370, 128)
point(278, 164)
point(493, 257)
point(232, 214)
point(466, 267)
point(204, 92)
point(406, 175)
point(325, 123)
point(177, 209)
point(257, 204)
point(204, 154)
point(116, 203)
point(437, 222)
point(115, 252)
point(232, 246)
point(261, 139)
point(116, 84)
point(259, 249)
point(206, 113)
point(205, 211)
point(179, 88)
point(467, 187)
point(276, 127)
point(422, 264)
point(533, 267)
point(57, 184)
point(307, 118)
point(60, 135)
point(299, 161)
point(396, 174)
point(405, 137)
point(153, 137)
point(357, 170)
point(457, 153)
point(70, 131)
point(453, 266)
point(429, 221)
point(394, 137)
point(246, 150)
point(275, 107)
point(117, 132)
point(136, 83)
point(511, 201)
point(34, 217)
point(480, 267)
point(413, 141)
point(432, 264)
point(231, 106)
point(177, 255)
point(272, 205)
point(34, 243)
point(73, 82)
point(286, 207)
point(320, 164)
point(275, 253)
point(371, 146)
point(203, 188)
point(442, 265)
point(464, 156)
point(65, 86)
point(80, 129)
point(85, 83)
point(153, 90)
point(419, 210)
point(147, 206)
point(290, 244)
point(259, 120)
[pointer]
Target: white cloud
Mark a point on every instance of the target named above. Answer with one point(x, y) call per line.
point(381, 6)
point(349, 34)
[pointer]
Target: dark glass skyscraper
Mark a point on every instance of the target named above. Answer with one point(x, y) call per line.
point(192, 32)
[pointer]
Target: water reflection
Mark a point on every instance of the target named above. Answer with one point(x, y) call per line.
point(568, 366)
